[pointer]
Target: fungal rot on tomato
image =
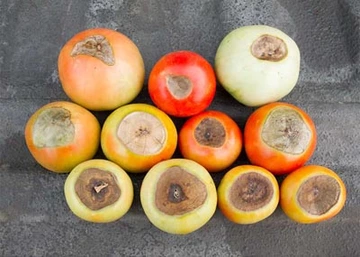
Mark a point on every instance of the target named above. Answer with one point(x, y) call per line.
point(269, 48)
point(179, 192)
point(96, 46)
point(53, 128)
point(178, 196)
point(286, 131)
point(279, 137)
point(97, 188)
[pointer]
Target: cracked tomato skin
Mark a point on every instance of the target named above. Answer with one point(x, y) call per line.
point(290, 186)
point(214, 159)
point(62, 159)
point(95, 85)
point(196, 70)
point(260, 153)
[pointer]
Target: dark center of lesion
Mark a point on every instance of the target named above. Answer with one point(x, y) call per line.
point(97, 188)
point(179, 86)
point(179, 192)
point(210, 132)
point(318, 194)
point(285, 130)
point(251, 191)
point(269, 48)
point(96, 46)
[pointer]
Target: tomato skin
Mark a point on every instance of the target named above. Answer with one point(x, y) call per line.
point(290, 186)
point(214, 159)
point(192, 66)
point(118, 153)
point(95, 85)
point(245, 217)
point(261, 154)
point(64, 158)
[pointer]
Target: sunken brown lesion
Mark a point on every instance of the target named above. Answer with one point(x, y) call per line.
point(96, 46)
point(285, 130)
point(251, 191)
point(318, 194)
point(179, 192)
point(269, 48)
point(179, 86)
point(210, 132)
point(97, 188)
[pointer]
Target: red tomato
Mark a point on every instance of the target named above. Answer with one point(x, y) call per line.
point(182, 84)
point(212, 139)
point(279, 137)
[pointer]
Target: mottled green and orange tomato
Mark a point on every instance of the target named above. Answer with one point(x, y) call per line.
point(101, 69)
point(137, 136)
point(99, 191)
point(212, 139)
point(178, 196)
point(182, 83)
point(248, 194)
point(61, 134)
point(312, 194)
point(280, 137)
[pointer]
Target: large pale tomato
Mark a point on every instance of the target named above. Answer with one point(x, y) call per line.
point(312, 194)
point(60, 135)
point(182, 83)
point(101, 69)
point(137, 136)
point(178, 196)
point(279, 137)
point(212, 139)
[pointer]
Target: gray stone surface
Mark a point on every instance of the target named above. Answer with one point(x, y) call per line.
point(34, 218)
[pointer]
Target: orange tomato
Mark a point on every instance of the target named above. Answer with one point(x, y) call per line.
point(279, 137)
point(248, 194)
point(312, 194)
point(212, 139)
point(101, 69)
point(60, 135)
point(137, 136)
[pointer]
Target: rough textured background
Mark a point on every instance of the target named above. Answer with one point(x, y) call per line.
point(34, 218)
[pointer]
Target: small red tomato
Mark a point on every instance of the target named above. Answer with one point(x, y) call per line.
point(212, 139)
point(279, 137)
point(182, 84)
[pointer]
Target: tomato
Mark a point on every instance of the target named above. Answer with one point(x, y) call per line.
point(60, 135)
point(98, 191)
point(257, 64)
point(312, 194)
point(182, 83)
point(212, 139)
point(248, 194)
point(137, 136)
point(279, 137)
point(178, 196)
point(101, 69)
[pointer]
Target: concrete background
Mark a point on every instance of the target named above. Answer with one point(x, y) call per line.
point(34, 218)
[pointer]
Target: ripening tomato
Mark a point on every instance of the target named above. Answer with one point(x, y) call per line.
point(212, 139)
point(312, 194)
point(279, 137)
point(60, 135)
point(137, 136)
point(182, 83)
point(101, 69)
